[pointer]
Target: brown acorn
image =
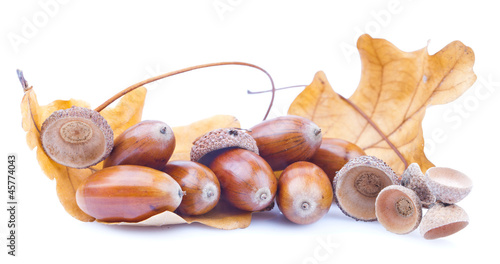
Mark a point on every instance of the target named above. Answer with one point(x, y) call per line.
point(247, 181)
point(148, 143)
point(305, 193)
point(128, 193)
point(333, 154)
point(198, 182)
point(286, 139)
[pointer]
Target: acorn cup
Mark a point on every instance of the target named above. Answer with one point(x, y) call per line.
point(287, 139)
point(246, 179)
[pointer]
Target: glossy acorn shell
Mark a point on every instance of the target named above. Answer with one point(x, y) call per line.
point(148, 143)
point(246, 179)
point(305, 193)
point(128, 193)
point(201, 187)
point(333, 154)
point(286, 139)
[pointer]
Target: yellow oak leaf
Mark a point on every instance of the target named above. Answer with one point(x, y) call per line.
point(385, 113)
point(127, 113)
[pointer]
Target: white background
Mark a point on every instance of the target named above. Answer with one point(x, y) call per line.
point(90, 50)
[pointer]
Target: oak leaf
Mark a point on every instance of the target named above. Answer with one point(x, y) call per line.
point(395, 89)
point(127, 112)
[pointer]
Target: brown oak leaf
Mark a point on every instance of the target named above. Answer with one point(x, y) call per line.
point(395, 89)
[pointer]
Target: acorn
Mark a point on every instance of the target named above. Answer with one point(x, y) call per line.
point(333, 154)
point(128, 193)
point(246, 179)
point(76, 137)
point(148, 143)
point(358, 183)
point(286, 139)
point(198, 182)
point(305, 193)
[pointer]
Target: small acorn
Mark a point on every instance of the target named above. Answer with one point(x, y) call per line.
point(333, 154)
point(358, 183)
point(198, 182)
point(128, 193)
point(148, 143)
point(246, 179)
point(76, 137)
point(305, 193)
point(286, 139)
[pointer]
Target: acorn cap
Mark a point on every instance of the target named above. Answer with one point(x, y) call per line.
point(448, 185)
point(77, 137)
point(221, 138)
point(443, 220)
point(358, 183)
point(413, 178)
point(398, 209)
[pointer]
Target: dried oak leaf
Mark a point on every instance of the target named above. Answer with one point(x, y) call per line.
point(395, 89)
point(127, 112)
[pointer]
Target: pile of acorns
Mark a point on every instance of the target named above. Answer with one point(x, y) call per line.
point(241, 167)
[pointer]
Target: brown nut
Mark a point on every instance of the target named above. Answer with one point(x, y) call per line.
point(148, 143)
point(304, 193)
point(128, 193)
point(286, 139)
point(198, 182)
point(247, 181)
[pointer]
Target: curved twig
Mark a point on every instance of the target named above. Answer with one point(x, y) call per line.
point(139, 84)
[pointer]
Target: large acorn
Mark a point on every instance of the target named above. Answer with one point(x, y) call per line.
point(128, 193)
point(246, 179)
point(286, 139)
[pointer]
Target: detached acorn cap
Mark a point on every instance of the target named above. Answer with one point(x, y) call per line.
point(448, 185)
point(413, 178)
point(443, 220)
point(358, 183)
point(398, 209)
point(77, 137)
point(222, 138)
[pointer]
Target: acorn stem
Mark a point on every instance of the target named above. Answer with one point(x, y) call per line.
point(165, 75)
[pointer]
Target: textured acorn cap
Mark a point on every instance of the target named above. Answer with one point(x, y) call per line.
point(219, 139)
point(414, 179)
point(443, 220)
point(398, 209)
point(358, 183)
point(448, 185)
point(77, 137)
